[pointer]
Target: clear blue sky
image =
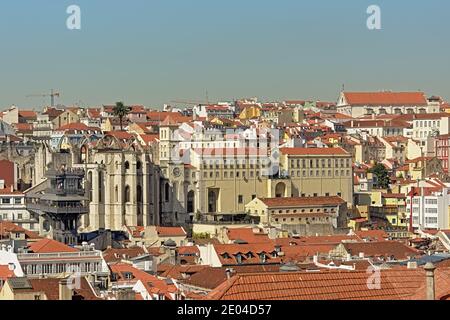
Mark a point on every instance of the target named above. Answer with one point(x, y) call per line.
point(154, 51)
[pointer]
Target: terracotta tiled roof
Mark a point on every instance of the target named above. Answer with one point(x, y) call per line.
point(115, 255)
point(207, 278)
point(50, 287)
point(302, 201)
point(170, 231)
point(153, 284)
point(50, 246)
point(53, 113)
point(313, 151)
point(373, 235)
point(247, 235)
point(337, 285)
point(188, 250)
point(7, 227)
point(121, 135)
point(94, 113)
point(386, 98)
point(5, 272)
point(179, 272)
point(381, 249)
point(149, 138)
point(77, 126)
point(228, 253)
point(28, 114)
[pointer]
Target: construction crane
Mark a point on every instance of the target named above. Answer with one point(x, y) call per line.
point(52, 96)
point(195, 102)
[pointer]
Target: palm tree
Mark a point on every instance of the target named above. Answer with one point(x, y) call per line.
point(121, 111)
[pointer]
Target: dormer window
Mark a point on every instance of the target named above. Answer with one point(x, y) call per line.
point(263, 257)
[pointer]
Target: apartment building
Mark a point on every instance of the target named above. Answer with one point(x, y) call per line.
point(429, 207)
point(13, 209)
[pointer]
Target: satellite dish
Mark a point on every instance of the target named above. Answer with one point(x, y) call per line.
point(11, 266)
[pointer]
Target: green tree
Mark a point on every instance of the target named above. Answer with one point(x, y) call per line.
point(382, 175)
point(121, 111)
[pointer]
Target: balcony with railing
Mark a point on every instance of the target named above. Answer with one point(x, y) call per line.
point(57, 208)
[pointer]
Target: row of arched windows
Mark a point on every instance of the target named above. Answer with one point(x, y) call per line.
point(127, 194)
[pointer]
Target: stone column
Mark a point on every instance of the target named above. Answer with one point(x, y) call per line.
point(145, 193)
point(94, 207)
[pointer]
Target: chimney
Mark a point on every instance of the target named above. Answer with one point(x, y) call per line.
point(229, 273)
point(315, 259)
point(65, 291)
point(430, 281)
point(361, 255)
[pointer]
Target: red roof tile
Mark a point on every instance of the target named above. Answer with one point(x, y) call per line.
point(386, 98)
point(50, 246)
point(386, 249)
point(302, 201)
point(336, 285)
point(170, 231)
point(247, 235)
point(313, 151)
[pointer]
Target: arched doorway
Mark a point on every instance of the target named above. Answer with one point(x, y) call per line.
point(190, 201)
point(280, 190)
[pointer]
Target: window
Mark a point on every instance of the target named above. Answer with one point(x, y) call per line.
point(17, 200)
point(240, 199)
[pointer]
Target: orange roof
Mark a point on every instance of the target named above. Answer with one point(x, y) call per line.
point(77, 126)
point(94, 113)
point(247, 235)
point(121, 135)
point(228, 253)
point(5, 273)
point(302, 201)
point(149, 138)
point(386, 98)
point(170, 231)
point(50, 246)
point(151, 283)
point(191, 250)
point(116, 255)
point(405, 284)
point(381, 249)
point(49, 287)
point(313, 151)
point(28, 114)
point(8, 227)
